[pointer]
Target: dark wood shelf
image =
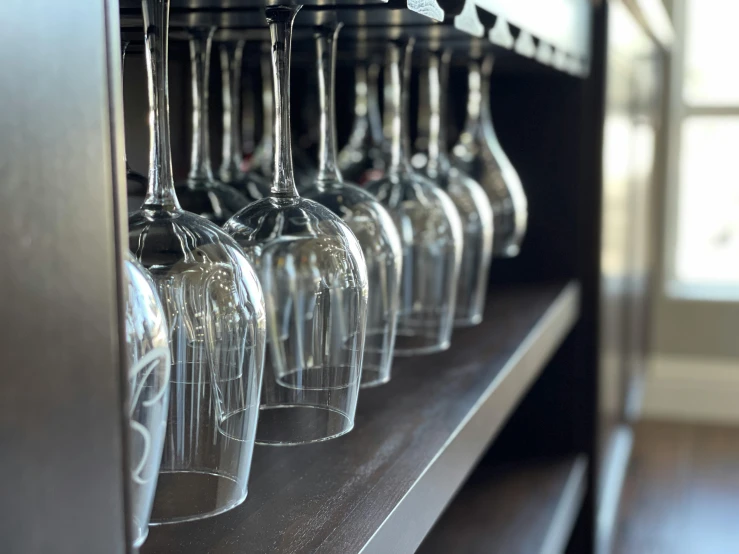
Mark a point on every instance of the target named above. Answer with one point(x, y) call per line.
point(381, 488)
point(524, 508)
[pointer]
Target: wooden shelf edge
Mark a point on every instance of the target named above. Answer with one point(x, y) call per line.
point(568, 508)
point(405, 528)
point(530, 507)
point(615, 468)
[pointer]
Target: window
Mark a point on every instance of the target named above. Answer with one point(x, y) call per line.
point(703, 224)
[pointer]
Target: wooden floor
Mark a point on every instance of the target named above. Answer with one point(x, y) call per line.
point(682, 491)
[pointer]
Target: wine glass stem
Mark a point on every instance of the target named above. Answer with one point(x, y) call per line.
point(396, 92)
point(268, 111)
point(438, 72)
point(373, 103)
point(280, 19)
point(201, 41)
point(161, 192)
point(360, 92)
point(326, 36)
point(231, 55)
point(486, 71)
point(124, 47)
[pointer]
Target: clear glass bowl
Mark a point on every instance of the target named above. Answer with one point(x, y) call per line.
point(215, 311)
point(431, 238)
point(315, 287)
point(378, 238)
point(147, 351)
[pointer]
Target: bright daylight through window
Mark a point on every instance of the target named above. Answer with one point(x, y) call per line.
point(705, 234)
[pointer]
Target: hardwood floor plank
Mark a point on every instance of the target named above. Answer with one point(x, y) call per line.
point(682, 491)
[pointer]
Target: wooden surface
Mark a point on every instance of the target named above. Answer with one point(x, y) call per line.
point(682, 491)
point(381, 487)
point(525, 508)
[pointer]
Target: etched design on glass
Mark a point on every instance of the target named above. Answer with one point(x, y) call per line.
point(148, 360)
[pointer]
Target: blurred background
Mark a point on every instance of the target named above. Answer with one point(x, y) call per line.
point(682, 489)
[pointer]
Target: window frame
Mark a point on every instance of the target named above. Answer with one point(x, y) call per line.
point(679, 111)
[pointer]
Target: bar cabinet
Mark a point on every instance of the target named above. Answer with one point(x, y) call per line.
point(490, 446)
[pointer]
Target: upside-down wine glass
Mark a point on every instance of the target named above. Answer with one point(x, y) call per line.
point(201, 193)
point(315, 285)
point(251, 185)
point(429, 226)
point(367, 218)
point(479, 154)
point(468, 196)
point(147, 351)
point(363, 158)
point(217, 323)
point(135, 182)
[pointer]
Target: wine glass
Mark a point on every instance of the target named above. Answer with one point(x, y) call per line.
point(136, 183)
point(429, 226)
point(468, 196)
point(315, 285)
point(250, 184)
point(217, 324)
point(363, 158)
point(479, 154)
point(367, 218)
point(201, 193)
point(147, 352)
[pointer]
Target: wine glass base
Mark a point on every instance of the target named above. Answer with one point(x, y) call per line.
point(194, 495)
point(467, 321)
point(140, 538)
point(415, 346)
point(374, 377)
point(319, 378)
point(288, 425)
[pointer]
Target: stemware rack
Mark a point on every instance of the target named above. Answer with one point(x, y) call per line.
point(493, 445)
point(555, 34)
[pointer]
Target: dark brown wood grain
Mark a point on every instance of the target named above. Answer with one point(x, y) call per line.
point(682, 491)
point(522, 508)
point(333, 497)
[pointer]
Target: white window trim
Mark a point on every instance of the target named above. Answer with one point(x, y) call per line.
point(679, 110)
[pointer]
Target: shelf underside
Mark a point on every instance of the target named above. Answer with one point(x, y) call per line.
point(381, 487)
point(526, 508)
point(556, 35)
